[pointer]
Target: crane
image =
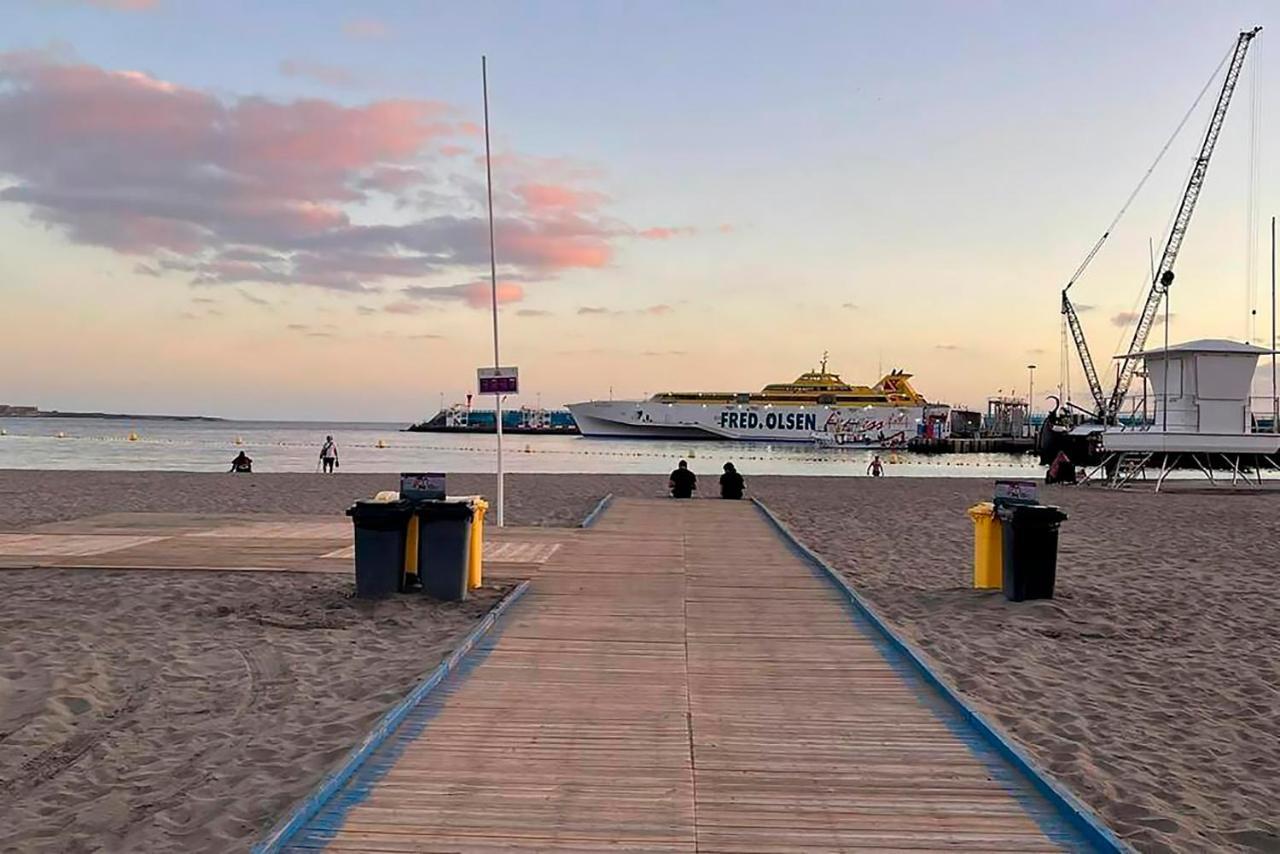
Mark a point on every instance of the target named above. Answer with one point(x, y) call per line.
point(1108, 406)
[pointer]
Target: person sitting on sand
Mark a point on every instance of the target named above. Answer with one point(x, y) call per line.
point(242, 463)
point(1061, 470)
point(682, 482)
point(731, 483)
point(876, 468)
point(329, 455)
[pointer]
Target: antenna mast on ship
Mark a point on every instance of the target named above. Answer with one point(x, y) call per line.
point(824, 362)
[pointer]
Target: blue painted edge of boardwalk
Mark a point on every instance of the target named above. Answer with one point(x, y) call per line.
point(601, 506)
point(1068, 805)
point(283, 832)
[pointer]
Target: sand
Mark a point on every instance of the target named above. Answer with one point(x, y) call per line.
point(152, 711)
point(1148, 686)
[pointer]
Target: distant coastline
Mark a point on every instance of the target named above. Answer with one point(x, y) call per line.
point(7, 411)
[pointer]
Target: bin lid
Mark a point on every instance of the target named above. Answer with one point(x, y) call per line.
point(372, 508)
point(1037, 514)
point(982, 510)
point(431, 509)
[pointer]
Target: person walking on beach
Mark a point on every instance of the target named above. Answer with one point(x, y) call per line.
point(876, 469)
point(682, 482)
point(242, 464)
point(731, 483)
point(329, 455)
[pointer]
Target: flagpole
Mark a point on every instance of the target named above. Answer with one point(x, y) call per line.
point(1275, 400)
point(493, 280)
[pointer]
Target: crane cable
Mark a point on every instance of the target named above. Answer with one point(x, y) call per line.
point(1152, 168)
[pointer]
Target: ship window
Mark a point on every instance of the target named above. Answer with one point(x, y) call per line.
point(826, 398)
point(742, 398)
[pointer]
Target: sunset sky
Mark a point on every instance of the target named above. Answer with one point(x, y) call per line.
point(276, 210)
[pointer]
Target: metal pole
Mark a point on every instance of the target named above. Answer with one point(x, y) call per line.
point(493, 281)
point(1275, 400)
point(1031, 384)
point(1164, 406)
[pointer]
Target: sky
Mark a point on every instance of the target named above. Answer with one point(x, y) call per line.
point(278, 210)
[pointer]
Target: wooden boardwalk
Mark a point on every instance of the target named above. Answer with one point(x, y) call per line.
point(677, 679)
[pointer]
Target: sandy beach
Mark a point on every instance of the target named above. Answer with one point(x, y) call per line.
point(155, 712)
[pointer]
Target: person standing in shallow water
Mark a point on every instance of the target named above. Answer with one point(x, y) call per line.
point(731, 483)
point(682, 482)
point(329, 454)
point(876, 469)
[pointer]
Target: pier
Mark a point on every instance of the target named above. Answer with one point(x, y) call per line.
point(679, 678)
point(983, 445)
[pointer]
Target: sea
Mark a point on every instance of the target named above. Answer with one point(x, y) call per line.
point(111, 444)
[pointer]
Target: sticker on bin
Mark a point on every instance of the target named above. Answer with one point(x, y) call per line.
point(1017, 492)
point(422, 485)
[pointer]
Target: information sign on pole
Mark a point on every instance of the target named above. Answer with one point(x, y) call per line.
point(498, 380)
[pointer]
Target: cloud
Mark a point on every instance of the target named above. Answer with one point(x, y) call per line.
point(403, 307)
point(477, 294)
point(653, 310)
point(299, 327)
point(533, 312)
point(238, 190)
point(205, 301)
point(848, 305)
point(366, 28)
point(664, 353)
point(1082, 308)
point(1037, 351)
point(123, 5)
point(365, 311)
point(557, 197)
point(256, 300)
point(319, 72)
point(725, 228)
point(1129, 318)
point(667, 233)
point(427, 336)
point(947, 347)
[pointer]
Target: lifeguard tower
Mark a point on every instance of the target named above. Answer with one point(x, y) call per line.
point(1201, 392)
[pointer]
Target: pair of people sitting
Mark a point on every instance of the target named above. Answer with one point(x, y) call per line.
point(683, 482)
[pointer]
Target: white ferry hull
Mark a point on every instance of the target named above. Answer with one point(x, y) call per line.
point(871, 426)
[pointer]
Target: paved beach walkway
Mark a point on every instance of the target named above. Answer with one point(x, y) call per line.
point(678, 679)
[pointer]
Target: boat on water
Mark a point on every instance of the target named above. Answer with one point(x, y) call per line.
point(818, 406)
point(525, 420)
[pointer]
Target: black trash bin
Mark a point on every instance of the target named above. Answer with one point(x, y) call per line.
point(1029, 549)
point(380, 542)
point(444, 548)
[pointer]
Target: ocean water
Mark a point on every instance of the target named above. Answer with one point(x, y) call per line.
point(294, 446)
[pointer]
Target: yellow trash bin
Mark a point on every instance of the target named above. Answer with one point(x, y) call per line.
point(988, 550)
point(475, 568)
point(411, 550)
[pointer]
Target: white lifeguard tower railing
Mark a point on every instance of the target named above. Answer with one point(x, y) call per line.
point(1202, 420)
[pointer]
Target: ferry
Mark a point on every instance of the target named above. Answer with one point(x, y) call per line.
point(525, 420)
point(817, 406)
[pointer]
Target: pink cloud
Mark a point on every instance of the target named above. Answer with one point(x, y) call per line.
point(249, 190)
point(667, 233)
point(125, 5)
point(477, 294)
point(454, 150)
point(555, 197)
point(366, 28)
point(319, 72)
point(403, 307)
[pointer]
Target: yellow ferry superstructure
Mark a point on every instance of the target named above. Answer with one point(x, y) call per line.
point(817, 405)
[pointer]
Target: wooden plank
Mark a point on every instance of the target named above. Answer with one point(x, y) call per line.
point(678, 680)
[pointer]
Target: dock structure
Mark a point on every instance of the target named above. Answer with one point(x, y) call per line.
point(678, 678)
